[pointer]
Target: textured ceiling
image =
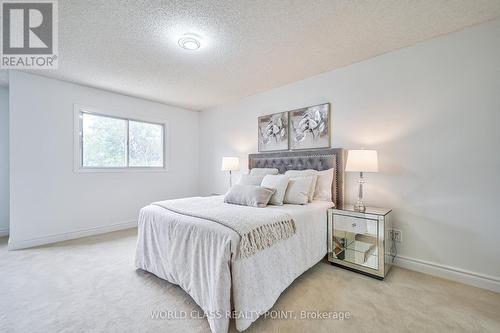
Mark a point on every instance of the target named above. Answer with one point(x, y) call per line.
point(248, 46)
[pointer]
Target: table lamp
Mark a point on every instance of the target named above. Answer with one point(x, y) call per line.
point(361, 161)
point(230, 164)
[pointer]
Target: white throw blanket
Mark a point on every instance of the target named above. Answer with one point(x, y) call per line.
point(258, 228)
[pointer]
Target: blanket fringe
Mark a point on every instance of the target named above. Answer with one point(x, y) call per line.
point(265, 236)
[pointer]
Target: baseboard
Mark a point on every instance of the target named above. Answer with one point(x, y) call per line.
point(451, 273)
point(49, 239)
point(4, 232)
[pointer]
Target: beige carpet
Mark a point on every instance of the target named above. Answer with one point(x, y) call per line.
point(91, 285)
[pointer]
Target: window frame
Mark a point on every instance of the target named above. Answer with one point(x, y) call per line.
point(79, 110)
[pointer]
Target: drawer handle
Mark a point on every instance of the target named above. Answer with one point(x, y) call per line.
point(353, 225)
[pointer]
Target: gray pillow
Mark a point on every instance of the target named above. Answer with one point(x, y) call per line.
point(263, 171)
point(249, 195)
point(250, 180)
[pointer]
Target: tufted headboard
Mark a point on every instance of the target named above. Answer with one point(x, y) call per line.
point(322, 159)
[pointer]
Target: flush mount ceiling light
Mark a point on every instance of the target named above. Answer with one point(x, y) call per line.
point(189, 42)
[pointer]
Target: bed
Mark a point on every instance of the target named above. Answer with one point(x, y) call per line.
point(199, 255)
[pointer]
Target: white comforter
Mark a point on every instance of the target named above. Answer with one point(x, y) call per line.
point(198, 255)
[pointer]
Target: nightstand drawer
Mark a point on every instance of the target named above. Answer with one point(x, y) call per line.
point(355, 225)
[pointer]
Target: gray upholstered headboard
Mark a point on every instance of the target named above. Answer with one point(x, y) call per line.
point(322, 159)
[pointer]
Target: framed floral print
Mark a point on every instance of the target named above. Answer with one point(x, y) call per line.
point(310, 127)
point(273, 132)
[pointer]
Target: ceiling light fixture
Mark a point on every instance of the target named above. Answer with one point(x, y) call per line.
point(189, 42)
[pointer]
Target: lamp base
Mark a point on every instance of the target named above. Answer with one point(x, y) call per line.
point(360, 207)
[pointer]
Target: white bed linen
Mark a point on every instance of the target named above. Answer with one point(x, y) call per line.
point(198, 255)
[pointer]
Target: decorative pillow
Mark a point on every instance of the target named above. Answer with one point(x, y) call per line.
point(323, 190)
point(305, 173)
point(250, 180)
point(263, 171)
point(249, 195)
point(297, 191)
point(279, 183)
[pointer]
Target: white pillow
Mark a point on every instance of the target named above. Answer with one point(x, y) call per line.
point(297, 191)
point(279, 183)
point(323, 190)
point(263, 171)
point(248, 195)
point(305, 173)
point(250, 180)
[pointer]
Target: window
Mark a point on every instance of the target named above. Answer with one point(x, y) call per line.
point(108, 142)
point(104, 142)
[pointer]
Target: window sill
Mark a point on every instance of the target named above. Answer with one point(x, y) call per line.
point(119, 170)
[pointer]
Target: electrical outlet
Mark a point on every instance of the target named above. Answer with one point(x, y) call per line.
point(396, 235)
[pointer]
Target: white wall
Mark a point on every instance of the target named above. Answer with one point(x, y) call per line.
point(4, 161)
point(433, 112)
point(48, 200)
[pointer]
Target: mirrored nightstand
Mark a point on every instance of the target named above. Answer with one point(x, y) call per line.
point(360, 241)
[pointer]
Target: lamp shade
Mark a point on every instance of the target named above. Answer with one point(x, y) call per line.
point(362, 161)
point(230, 164)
